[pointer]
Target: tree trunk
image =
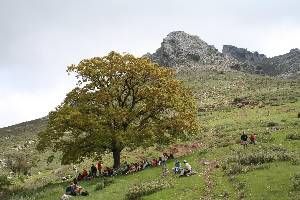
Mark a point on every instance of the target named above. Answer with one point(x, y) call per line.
point(117, 156)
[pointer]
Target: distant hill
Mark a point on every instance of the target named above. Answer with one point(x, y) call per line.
point(32, 126)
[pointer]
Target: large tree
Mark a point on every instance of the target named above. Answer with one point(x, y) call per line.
point(120, 101)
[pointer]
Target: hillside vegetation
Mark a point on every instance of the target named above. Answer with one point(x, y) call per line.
point(229, 103)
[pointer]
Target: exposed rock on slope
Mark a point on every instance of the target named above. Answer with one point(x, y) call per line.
point(180, 49)
point(286, 66)
point(243, 55)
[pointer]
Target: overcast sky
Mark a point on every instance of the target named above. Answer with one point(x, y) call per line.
point(40, 38)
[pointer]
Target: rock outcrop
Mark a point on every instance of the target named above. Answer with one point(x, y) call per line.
point(286, 66)
point(180, 49)
point(242, 54)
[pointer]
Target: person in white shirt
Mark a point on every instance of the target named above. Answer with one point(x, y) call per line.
point(187, 170)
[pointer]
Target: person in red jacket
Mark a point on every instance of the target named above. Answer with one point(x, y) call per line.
point(253, 139)
point(85, 174)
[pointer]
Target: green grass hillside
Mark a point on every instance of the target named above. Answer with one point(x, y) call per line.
point(229, 103)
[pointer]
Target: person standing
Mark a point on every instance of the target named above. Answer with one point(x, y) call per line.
point(99, 167)
point(164, 165)
point(244, 139)
point(93, 171)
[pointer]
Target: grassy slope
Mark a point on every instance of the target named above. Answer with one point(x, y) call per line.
point(271, 100)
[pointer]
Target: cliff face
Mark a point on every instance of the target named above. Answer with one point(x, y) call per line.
point(286, 66)
point(243, 55)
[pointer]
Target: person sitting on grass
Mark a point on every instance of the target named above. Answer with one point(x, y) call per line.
point(145, 164)
point(154, 162)
point(165, 155)
point(71, 189)
point(177, 167)
point(108, 172)
point(253, 139)
point(85, 174)
point(171, 156)
point(159, 161)
point(90, 176)
point(244, 139)
point(79, 177)
point(80, 191)
point(187, 170)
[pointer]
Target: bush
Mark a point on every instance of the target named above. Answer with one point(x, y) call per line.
point(266, 137)
point(145, 188)
point(293, 136)
point(104, 182)
point(99, 186)
point(19, 162)
point(251, 159)
point(296, 181)
point(4, 182)
point(272, 124)
point(107, 181)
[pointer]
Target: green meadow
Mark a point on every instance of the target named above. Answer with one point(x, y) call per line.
point(229, 103)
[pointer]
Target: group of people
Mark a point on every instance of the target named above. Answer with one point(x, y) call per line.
point(186, 171)
point(98, 169)
point(92, 173)
point(138, 166)
point(244, 139)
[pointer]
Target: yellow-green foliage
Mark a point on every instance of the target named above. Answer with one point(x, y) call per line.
point(120, 101)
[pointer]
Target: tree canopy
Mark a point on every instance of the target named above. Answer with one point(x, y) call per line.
point(120, 101)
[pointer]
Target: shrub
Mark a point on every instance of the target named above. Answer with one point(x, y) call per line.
point(266, 137)
point(145, 188)
point(272, 124)
point(19, 162)
point(99, 186)
point(293, 136)
point(296, 181)
point(107, 181)
point(104, 182)
point(4, 182)
point(251, 159)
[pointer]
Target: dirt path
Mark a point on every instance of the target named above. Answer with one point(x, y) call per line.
point(209, 184)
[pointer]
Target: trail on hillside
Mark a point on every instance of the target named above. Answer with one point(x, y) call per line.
point(209, 184)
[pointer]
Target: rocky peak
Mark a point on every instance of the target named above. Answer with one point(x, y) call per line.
point(242, 54)
point(180, 49)
point(286, 65)
point(295, 50)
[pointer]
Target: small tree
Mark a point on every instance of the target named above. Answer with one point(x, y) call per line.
point(19, 162)
point(120, 101)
